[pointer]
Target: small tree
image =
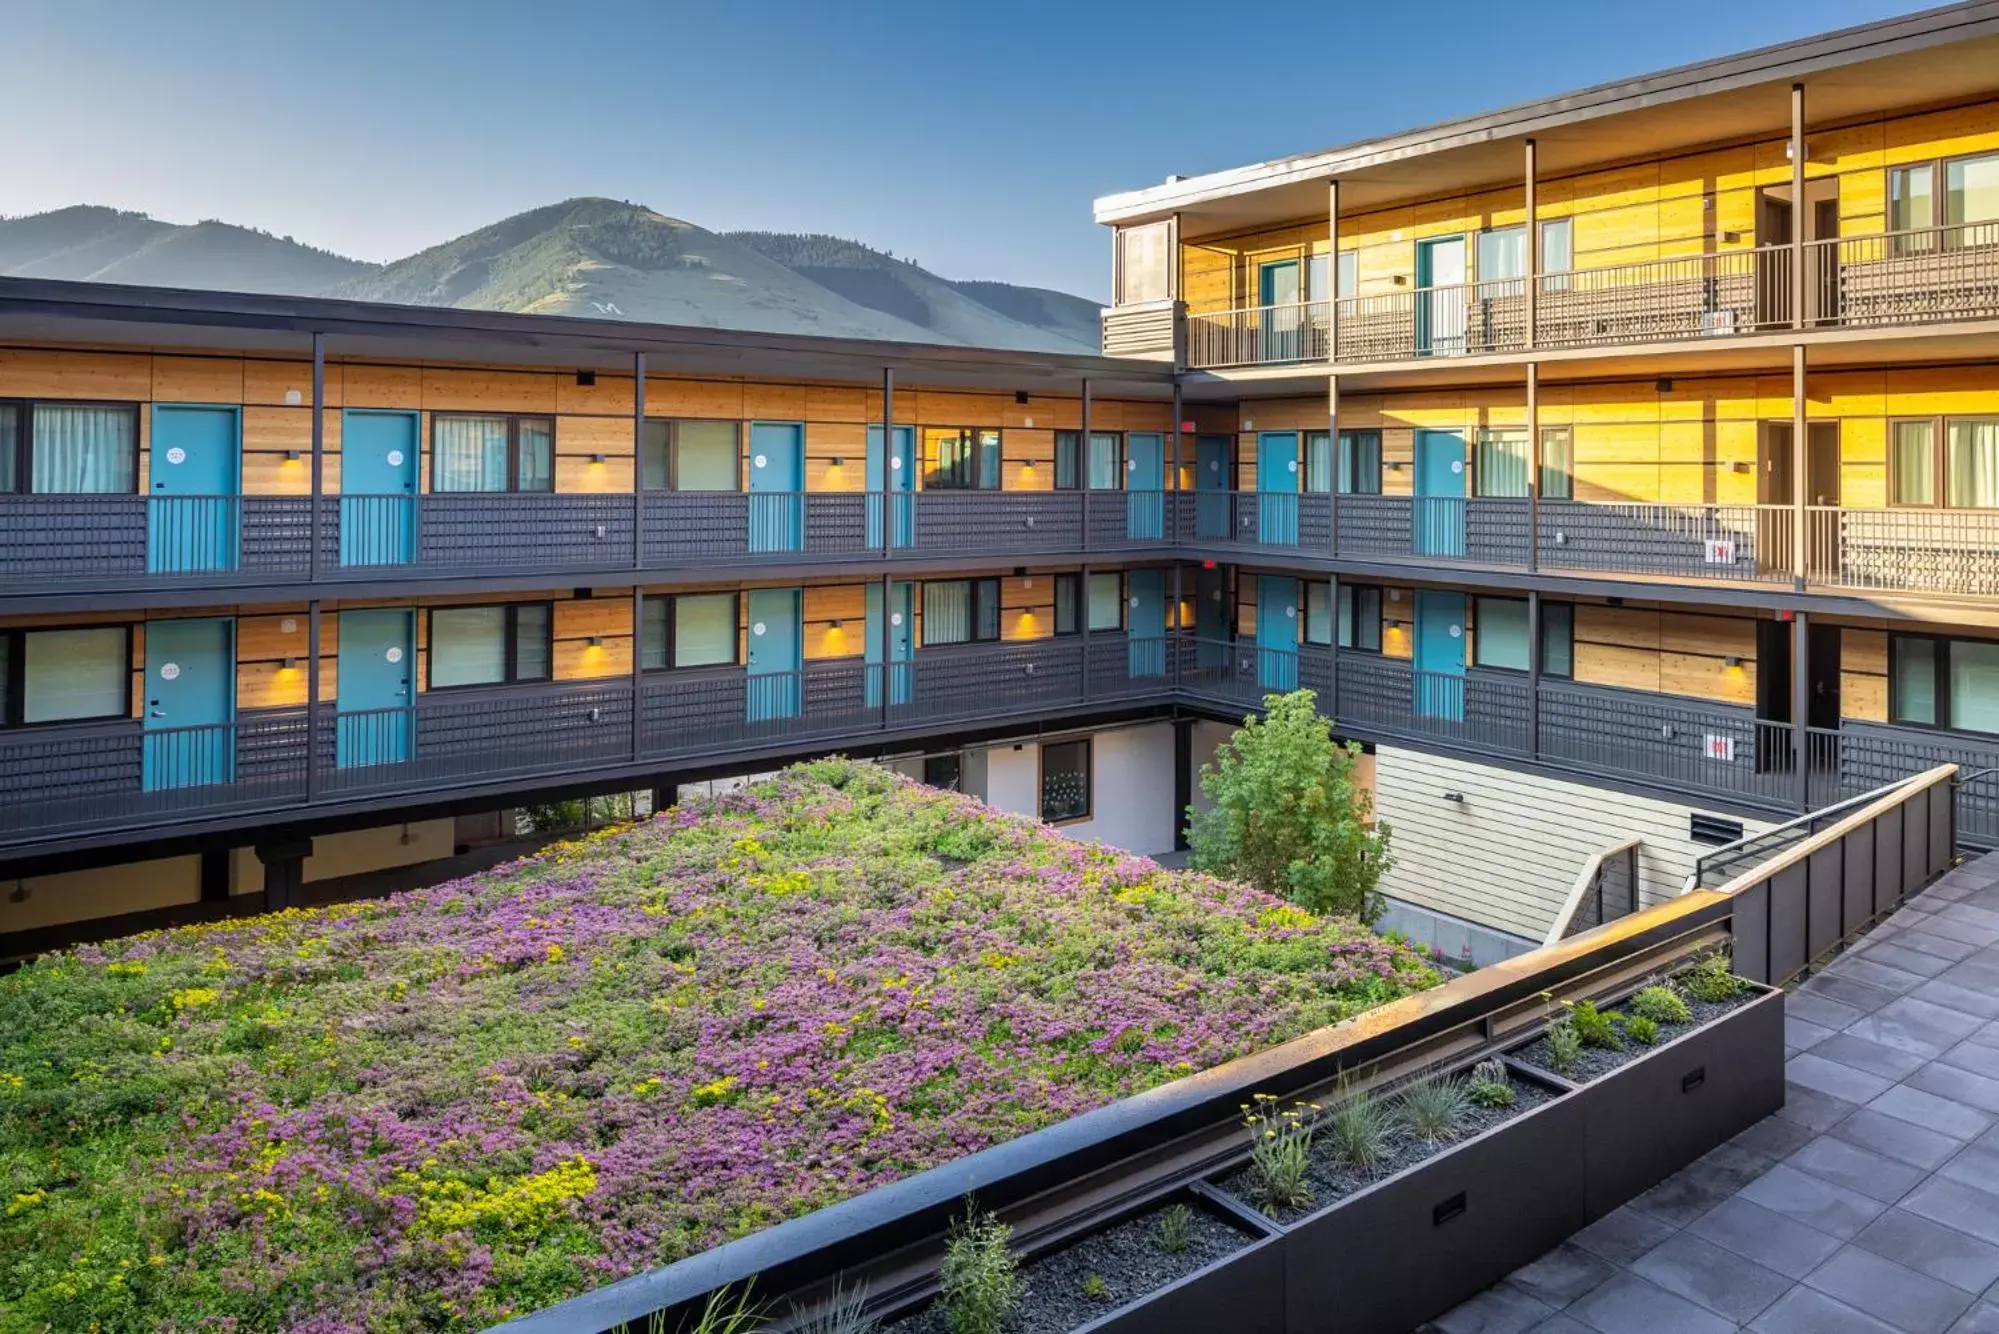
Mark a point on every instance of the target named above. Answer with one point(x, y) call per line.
point(1288, 814)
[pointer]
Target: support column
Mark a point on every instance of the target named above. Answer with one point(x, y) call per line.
point(1330, 708)
point(1333, 293)
point(1533, 465)
point(215, 875)
point(284, 872)
point(1333, 447)
point(312, 643)
point(1083, 464)
point(318, 449)
point(888, 489)
point(638, 670)
point(1175, 626)
point(1533, 291)
point(1534, 669)
point(1083, 624)
point(1183, 779)
point(665, 793)
point(1800, 465)
point(1171, 503)
point(1801, 703)
point(638, 505)
point(888, 625)
point(1798, 205)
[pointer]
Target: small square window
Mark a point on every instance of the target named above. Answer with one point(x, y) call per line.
point(1065, 781)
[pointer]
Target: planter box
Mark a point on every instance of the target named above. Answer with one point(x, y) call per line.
point(1405, 1249)
point(1243, 1292)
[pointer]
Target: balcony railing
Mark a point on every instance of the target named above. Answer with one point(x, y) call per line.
point(1909, 277)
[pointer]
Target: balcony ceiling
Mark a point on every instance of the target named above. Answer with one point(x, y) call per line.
point(1937, 58)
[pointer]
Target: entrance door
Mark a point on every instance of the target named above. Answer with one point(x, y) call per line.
point(1213, 630)
point(901, 645)
point(1277, 488)
point(1773, 265)
point(1279, 290)
point(897, 495)
point(1440, 655)
point(1438, 522)
point(1775, 668)
point(1774, 492)
point(1440, 296)
point(1277, 632)
point(190, 699)
point(1212, 479)
point(1145, 486)
point(1147, 590)
point(1822, 261)
point(378, 460)
point(776, 632)
point(777, 486)
point(376, 655)
point(1775, 469)
point(195, 463)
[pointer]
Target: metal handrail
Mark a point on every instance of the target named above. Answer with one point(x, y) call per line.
point(1777, 837)
point(1590, 880)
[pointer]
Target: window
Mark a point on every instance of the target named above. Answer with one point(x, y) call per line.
point(1315, 276)
point(1971, 192)
point(69, 448)
point(1911, 204)
point(1937, 682)
point(961, 611)
point(491, 453)
point(1557, 464)
point(689, 630)
point(944, 771)
point(1499, 469)
point(1105, 602)
point(1318, 461)
point(1965, 475)
point(1970, 196)
point(1360, 463)
point(1501, 638)
point(478, 646)
point(58, 676)
point(1502, 253)
point(1318, 612)
point(1143, 259)
point(1558, 253)
point(1349, 271)
point(1360, 617)
point(1105, 471)
point(960, 459)
point(691, 456)
point(1065, 781)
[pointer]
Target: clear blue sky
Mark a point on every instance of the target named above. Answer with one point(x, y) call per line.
point(968, 136)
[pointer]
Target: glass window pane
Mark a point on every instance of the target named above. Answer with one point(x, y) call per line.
point(531, 641)
point(1558, 639)
point(1065, 780)
point(83, 450)
point(1107, 602)
point(537, 444)
point(947, 612)
point(1971, 192)
point(1319, 612)
point(1912, 463)
point(468, 646)
point(1360, 463)
point(1501, 466)
point(1557, 246)
point(704, 630)
point(653, 470)
point(10, 449)
point(708, 458)
point(1106, 457)
point(1065, 603)
point(1974, 685)
point(1502, 633)
point(1909, 198)
point(1971, 464)
point(989, 460)
point(1315, 278)
point(468, 453)
point(1913, 691)
point(986, 605)
point(1318, 461)
point(1502, 253)
point(1348, 270)
point(1065, 461)
point(75, 674)
point(1557, 464)
point(652, 634)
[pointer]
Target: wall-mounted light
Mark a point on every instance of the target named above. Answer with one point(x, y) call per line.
point(836, 625)
point(596, 641)
point(586, 378)
point(1458, 797)
point(839, 461)
point(596, 458)
point(1663, 385)
point(1401, 280)
point(291, 456)
point(290, 663)
point(1731, 661)
point(1394, 465)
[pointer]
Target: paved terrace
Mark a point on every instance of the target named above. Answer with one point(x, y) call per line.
point(1870, 1203)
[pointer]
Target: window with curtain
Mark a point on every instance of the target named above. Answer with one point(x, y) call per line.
point(1971, 464)
point(1971, 195)
point(1912, 463)
point(51, 676)
point(1500, 468)
point(1360, 463)
point(1911, 207)
point(70, 448)
point(1557, 463)
point(961, 611)
point(480, 452)
point(1347, 273)
point(1065, 780)
point(1106, 601)
point(474, 646)
point(653, 634)
point(1104, 469)
point(1939, 682)
point(707, 456)
point(1316, 278)
point(704, 627)
point(1500, 636)
point(655, 455)
point(1068, 603)
point(1318, 461)
point(956, 459)
point(1318, 612)
point(1502, 254)
point(1558, 250)
point(1360, 617)
point(1558, 639)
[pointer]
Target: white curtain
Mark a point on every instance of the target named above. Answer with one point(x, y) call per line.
point(471, 454)
point(84, 450)
point(75, 674)
point(704, 630)
point(1971, 465)
point(468, 646)
point(1502, 464)
point(947, 613)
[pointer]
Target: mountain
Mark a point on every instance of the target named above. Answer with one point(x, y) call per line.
point(587, 256)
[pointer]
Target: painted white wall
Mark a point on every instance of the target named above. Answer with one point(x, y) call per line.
point(1131, 786)
point(1508, 854)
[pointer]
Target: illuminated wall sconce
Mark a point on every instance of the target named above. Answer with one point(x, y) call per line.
point(596, 641)
point(291, 456)
point(836, 625)
point(1394, 465)
point(1731, 661)
point(291, 664)
point(839, 462)
point(596, 458)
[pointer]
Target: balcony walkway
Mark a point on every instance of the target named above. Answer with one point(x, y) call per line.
point(1870, 1203)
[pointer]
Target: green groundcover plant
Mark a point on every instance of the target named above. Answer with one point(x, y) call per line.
point(437, 1110)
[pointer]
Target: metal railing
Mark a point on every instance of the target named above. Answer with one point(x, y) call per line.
point(1742, 542)
point(1921, 276)
point(1912, 550)
point(1259, 335)
point(1606, 889)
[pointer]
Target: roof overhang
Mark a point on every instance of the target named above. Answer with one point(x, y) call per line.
point(1935, 58)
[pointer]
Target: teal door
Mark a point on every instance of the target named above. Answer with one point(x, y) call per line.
point(777, 486)
point(1212, 478)
point(1438, 523)
point(1441, 302)
point(776, 635)
point(1146, 615)
point(1440, 655)
point(901, 641)
point(1212, 622)
point(1145, 486)
point(378, 459)
point(1280, 290)
point(377, 654)
point(897, 495)
point(1277, 488)
point(1277, 632)
point(196, 458)
point(190, 696)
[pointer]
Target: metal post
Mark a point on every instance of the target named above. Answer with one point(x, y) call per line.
point(1333, 450)
point(1533, 241)
point(1533, 466)
point(1083, 464)
point(1800, 464)
point(638, 507)
point(1534, 669)
point(888, 632)
point(638, 666)
point(1801, 698)
point(1333, 292)
point(888, 466)
point(1331, 707)
point(1172, 526)
point(312, 690)
point(1083, 624)
point(1177, 623)
point(318, 447)
point(1798, 205)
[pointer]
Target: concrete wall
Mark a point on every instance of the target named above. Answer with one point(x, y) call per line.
point(105, 891)
point(354, 852)
point(1131, 786)
point(1508, 854)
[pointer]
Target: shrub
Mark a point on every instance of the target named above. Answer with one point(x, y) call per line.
point(1641, 1030)
point(1709, 980)
point(1490, 1086)
point(979, 1281)
point(845, 1311)
point(1280, 1151)
point(1359, 1128)
point(1095, 1288)
point(1593, 1027)
point(1288, 815)
point(726, 1312)
point(1565, 1046)
point(1174, 1230)
point(1662, 1005)
point(1434, 1109)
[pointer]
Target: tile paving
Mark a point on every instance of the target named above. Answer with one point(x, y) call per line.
point(1870, 1203)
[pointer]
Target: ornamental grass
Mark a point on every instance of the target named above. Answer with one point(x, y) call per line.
point(454, 1105)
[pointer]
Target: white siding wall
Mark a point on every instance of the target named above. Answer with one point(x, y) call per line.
point(1131, 786)
point(1509, 853)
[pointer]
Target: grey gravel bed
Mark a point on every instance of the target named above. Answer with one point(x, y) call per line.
point(1332, 1177)
point(1596, 1062)
point(1127, 1259)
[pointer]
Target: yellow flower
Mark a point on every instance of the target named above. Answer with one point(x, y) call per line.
point(189, 998)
